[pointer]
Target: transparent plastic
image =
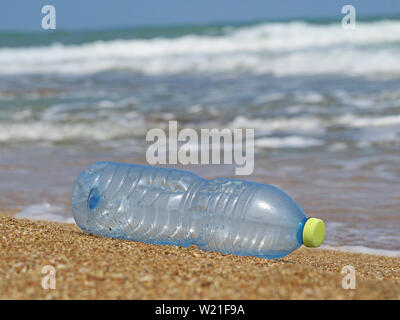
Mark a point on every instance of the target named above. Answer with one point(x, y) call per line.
point(168, 206)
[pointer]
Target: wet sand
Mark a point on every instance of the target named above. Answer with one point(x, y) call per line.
point(90, 267)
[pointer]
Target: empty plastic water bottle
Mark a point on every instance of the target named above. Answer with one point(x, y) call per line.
point(167, 206)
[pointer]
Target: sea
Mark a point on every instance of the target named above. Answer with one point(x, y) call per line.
point(324, 102)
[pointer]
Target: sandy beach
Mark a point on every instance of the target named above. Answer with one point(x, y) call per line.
point(90, 267)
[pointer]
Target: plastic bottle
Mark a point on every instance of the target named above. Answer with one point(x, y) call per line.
point(167, 206)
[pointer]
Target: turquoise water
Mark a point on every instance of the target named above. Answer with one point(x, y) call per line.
point(68, 37)
point(324, 103)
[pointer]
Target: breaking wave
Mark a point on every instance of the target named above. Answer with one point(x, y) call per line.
point(294, 48)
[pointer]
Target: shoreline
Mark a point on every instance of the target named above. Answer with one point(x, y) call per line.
point(49, 217)
point(91, 267)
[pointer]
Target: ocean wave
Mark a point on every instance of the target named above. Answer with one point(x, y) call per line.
point(274, 132)
point(295, 48)
point(313, 123)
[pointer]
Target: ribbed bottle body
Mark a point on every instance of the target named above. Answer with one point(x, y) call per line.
point(246, 218)
point(167, 206)
point(134, 202)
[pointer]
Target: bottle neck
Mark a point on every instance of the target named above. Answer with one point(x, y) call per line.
point(300, 231)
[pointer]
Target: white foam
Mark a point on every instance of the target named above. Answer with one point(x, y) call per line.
point(58, 132)
point(275, 124)
point(359, 122)
point(287, 142)
point(365, 250)
point(44, 211)
point(277, 48)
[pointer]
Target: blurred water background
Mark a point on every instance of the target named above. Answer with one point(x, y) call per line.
point(324, 102)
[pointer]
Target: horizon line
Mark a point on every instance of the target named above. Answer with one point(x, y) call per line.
point(238, 22)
